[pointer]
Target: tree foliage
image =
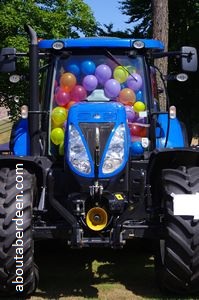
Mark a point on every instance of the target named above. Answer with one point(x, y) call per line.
point(183, 30)
point(50, 19)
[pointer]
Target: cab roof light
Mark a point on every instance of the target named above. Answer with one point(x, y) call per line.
point(58, 45)
point(138, 44)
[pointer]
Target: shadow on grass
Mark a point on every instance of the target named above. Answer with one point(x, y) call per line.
point(79, 273)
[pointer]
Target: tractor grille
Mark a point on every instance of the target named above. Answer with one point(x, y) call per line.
point(89, 131)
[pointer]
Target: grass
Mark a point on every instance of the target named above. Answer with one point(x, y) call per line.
point(104, 274)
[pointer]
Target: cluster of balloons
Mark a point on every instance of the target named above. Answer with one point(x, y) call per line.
point(58, 120)
point(80, 79)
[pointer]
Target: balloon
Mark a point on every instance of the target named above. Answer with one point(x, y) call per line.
point(103, 73)
point(137, 130)
point(112, 88)
point(90, 82)
point(127, 96)
point(141, 120)
point(130, 114)
point(139, 106)
point(78, 93)
point(134, 82)
point(73, 68)
point(55, 84)
point(62, 97)
point(130, 69)
point(57, 136)
point(136, 148)
point(59, 115)
point(139, 96)
point(69, 104)
point(68, 81)
point(88, 67)
point(120, 74)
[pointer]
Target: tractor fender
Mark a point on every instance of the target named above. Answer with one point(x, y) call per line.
point(170, 158)
point(20, 139)
point(177, 137)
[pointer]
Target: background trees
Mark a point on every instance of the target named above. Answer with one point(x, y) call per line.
point(50, 19)
point(183, 30)
point(71, 18)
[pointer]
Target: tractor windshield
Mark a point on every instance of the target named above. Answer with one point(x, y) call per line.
point(100, 78)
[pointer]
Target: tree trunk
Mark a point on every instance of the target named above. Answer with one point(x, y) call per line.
point(160, 32)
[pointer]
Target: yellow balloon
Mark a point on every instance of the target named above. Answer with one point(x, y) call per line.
point(120, 74)
point(57, 136)
point(59, 115)
point(139, 106)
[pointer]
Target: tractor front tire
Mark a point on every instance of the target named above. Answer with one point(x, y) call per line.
point(177, 259)
point(18, 273)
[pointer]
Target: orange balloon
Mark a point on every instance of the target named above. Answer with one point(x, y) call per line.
point(127, 97)
point(68, 81)
point(69, 104)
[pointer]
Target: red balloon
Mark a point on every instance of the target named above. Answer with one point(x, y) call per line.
point(137, 130)
point(62, 97)
point(78, 93)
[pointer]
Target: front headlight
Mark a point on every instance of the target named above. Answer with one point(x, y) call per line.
point(77, 154)
point(114, 157)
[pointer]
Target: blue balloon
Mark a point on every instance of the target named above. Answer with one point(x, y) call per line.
point(139, 96)
point(136, 148)
point(88, 67)
point(74, 69)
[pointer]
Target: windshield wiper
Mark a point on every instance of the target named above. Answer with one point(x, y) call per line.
point(119, 64)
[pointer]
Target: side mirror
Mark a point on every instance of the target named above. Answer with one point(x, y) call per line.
point(189, 59)
point(7, 60)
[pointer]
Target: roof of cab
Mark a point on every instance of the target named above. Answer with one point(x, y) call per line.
point(93, 42)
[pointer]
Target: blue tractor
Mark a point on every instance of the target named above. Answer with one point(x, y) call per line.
point(95, 162)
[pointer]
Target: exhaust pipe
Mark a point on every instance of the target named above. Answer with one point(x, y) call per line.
point(34, 92)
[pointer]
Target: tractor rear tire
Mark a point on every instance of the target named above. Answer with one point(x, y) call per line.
point(177, 259)
point(18, 273)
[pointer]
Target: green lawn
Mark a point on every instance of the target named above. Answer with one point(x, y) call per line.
point(103, 274)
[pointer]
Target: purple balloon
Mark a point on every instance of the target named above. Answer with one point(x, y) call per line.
point(130, 114)
point(134, 82)
point(103, 73)
point(112, 88)
point(141, 120)
point(90, 82)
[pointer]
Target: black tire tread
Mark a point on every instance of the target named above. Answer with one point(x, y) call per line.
point(8, 232)
point(178, 270)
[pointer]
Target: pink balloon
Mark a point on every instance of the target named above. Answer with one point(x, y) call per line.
point(134, 82)
point(62, 97)
point(78, 93)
